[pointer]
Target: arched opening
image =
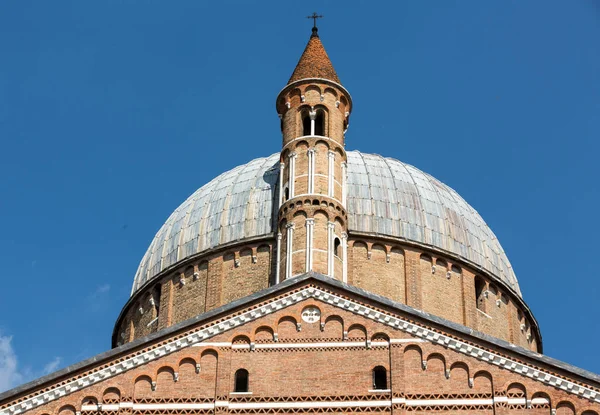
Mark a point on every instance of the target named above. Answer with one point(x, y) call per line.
point(320, 123)
point(379, 378)
point(241, 381)
point(156, 296)
point(286, 193)
point(336, 247)
point(306, 123)
point(479, 293)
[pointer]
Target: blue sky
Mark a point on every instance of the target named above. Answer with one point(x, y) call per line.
point(113, 112)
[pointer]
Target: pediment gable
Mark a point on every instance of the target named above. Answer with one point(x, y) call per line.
point(313, 315)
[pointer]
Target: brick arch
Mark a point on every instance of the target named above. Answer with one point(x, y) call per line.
point(541, 400)
point(302, 144)
point(483, 382)
point(312, 87)
point(334, 327)
point(294, 96)
point(329, 90)
point(111, 395)
point(565, 408)
point(516, 390)
point(67, 410)
point(301, 112)
point(300, 214)
point(459, 377)
point(323, 142)
point(186, 367)
point(241, 339)
point(380, 336)
point(589, 412)
point(413, 366)
point(326, 119)
point(142, 387)
point(89, 400)
point(442, 263)
point(357, 332)
point(165, 378)
point(362, 245)
point(432, 357)
point(264, 334)
point(379, 248)
point(287, 327)
point(205, 380)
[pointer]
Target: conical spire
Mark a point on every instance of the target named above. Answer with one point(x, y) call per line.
point(314, 62)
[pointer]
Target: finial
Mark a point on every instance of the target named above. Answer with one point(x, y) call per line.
point(315, 30)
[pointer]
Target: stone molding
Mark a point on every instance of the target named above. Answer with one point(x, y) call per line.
point(310, 292)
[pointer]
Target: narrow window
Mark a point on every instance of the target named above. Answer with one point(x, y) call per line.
point(336, 247)
point(286, 194)
point(306, 124)
point(479, 290)
point(379, 378)
point(320, 123)
point(156, 296)
point(241, 381)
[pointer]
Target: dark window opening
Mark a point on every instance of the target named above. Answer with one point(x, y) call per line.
point(156, 297)
point(320, 124)
point(380, 378)
point(286, 194)
point(241, 380)
point(336, 247)
point(479, 293)
point(306, 124)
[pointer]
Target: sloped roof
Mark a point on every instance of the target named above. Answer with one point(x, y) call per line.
point(314, 62)
point(475, 339)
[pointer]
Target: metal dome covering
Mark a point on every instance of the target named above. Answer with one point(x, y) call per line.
point(384, 197)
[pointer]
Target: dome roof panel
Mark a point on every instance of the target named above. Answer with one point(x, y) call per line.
point(384, 196)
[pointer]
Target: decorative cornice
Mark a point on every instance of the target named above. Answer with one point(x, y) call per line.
point(201, 334)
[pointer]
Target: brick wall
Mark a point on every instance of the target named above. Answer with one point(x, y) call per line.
point(329, 360)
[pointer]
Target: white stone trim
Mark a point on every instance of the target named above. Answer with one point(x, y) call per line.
point(289, 250)
point(200, 335)
point(281, 190)
point(344, 257)
point(311, 170)
point(292, 174)
point(278, 263)
point(344, 178)
point(330, 243)
point(294, 405)
point(331, 172)
point(310, 226)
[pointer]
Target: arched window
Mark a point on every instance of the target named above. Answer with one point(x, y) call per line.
point(286, 193)
point(313, 122)
point(320, 123)
point(379, 378)
point(241, 381)
point(156, 296)
point(479, 293)
point(336, 247)
point(306, 123)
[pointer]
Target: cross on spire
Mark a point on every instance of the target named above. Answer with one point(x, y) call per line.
point(315, 16)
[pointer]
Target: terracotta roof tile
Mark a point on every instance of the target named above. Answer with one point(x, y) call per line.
point(314, 62)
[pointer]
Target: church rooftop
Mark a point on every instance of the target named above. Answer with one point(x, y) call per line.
point(314, 62)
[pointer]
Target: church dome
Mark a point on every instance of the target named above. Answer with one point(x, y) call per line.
point(385, 197)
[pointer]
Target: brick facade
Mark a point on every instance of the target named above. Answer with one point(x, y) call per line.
point(397, 271)
point(323, 364)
